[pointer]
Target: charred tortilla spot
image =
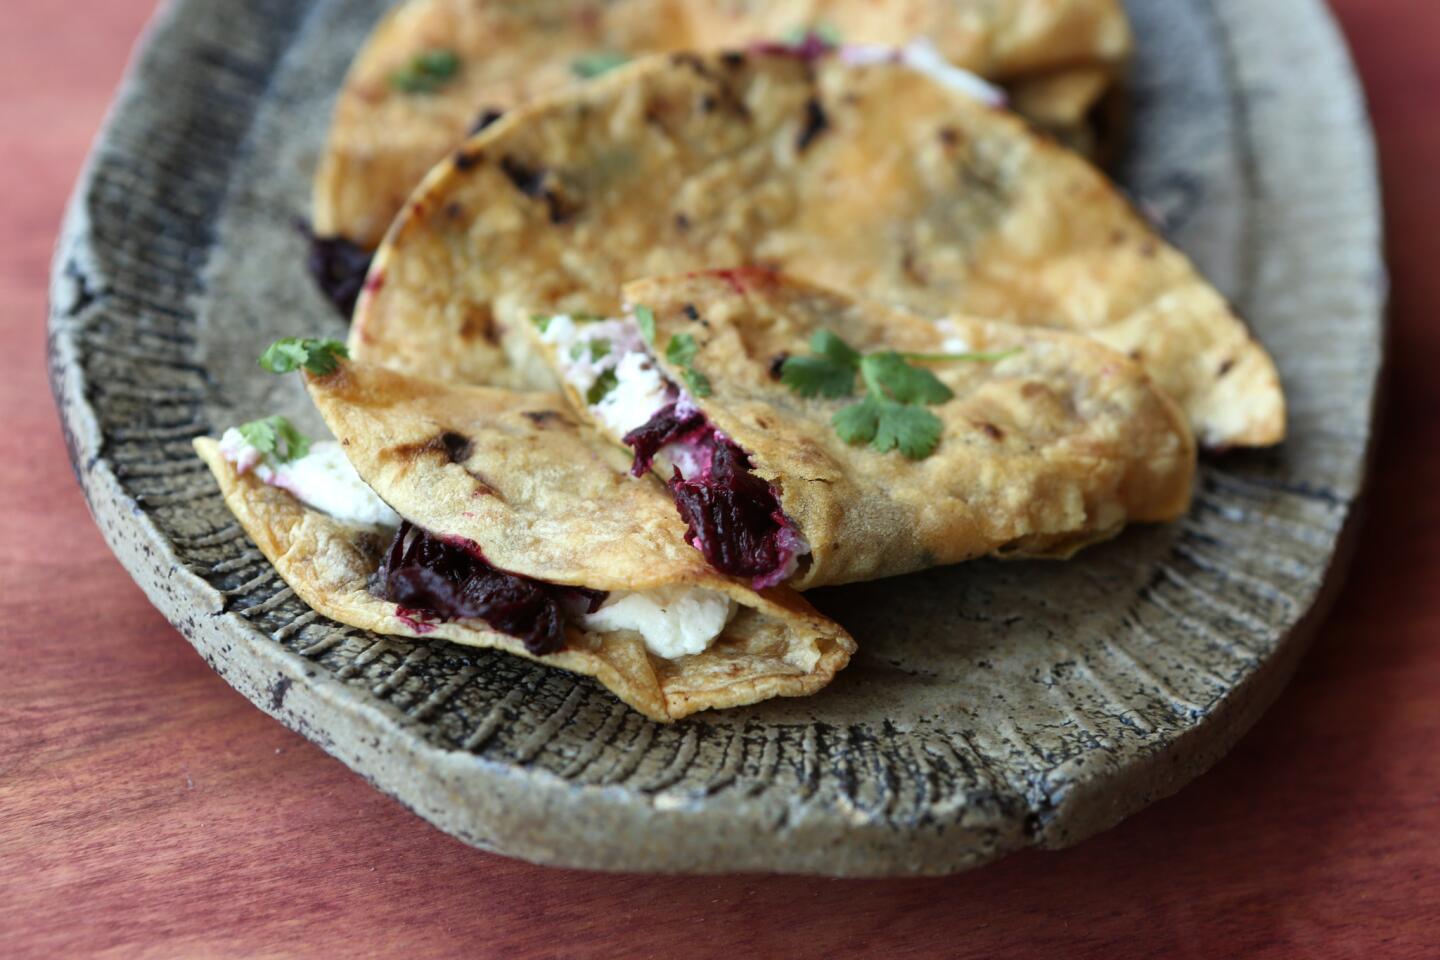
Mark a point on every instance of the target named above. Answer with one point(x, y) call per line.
point(950, 136)
point(542, 417)
point(911, 265)
point(991, 431)
point(454, 210)
point(777, 365)
point(486, 119)
point(733, 60)
point(691, 312)
point(682, 222)
point(467, 160)
point(457, 446)
point(1227, 366)
point(480, 324)
point(691, 61)
point(561, 209)
point(816, 123)
point(527, 180)
point(707, 103)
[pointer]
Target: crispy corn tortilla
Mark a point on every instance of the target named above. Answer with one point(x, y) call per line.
point(1043, 452)
point(874, 180)
point(777, 644)
point(382, 140)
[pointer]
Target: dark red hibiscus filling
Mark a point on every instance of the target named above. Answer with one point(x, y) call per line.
point(338, 267)
point(434, 579)
point(670, 425)
point(734, 518)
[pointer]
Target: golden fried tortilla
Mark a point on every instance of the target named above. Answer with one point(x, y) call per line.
point(776, 645)
point(875, 180)
point(1049, 449)
point(383, 139)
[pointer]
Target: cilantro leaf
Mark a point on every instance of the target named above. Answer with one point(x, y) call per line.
point(887, 374)
point(592, 65)
point(887, 425)
point(698, 383)
point(681, 350)
point(276, 437)
point(826, 33)
point(645, 320)
point(426, 72)
point(541, 321)
point(827, 344)
point(914, 430)
point(818, 377)
point(859, 422)
point(597, 349)
point(320, 357)
point(600, 389)
point(830, 373)
point(892, 416)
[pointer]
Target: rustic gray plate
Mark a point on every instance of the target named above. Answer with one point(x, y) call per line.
point(992, 707)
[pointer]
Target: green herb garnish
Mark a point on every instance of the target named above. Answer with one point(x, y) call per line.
point(826, 33)
point(592, 65)
point(541, 321)
point(426, 72)
point(601, 388)
point(276, 437)
point(597, 349)
point(645, 320)
point(320, 357)
point(892, 415)
point(681, 351)
point(886, 425)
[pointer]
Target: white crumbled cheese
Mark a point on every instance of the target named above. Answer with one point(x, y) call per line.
point(953, 343)
point(923, 56)
point(674, 621)
point(641, 391)
point(323, 479)
point(587, 351)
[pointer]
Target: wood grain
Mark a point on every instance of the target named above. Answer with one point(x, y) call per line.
point(148, 809)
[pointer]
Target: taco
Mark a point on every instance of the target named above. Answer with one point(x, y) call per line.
point(434, 71)
point(894, 445)
point(515, 531)
point(881, 180)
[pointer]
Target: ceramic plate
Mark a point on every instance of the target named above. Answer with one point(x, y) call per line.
point(992, 706)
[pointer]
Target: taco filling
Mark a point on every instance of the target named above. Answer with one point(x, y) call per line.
point(734, 518)
point(434, 579)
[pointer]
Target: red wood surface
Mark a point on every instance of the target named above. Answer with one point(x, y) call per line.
point(148, 810)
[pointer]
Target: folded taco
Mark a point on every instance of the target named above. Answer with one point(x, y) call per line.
point(878, 179)
point(435, 70)
point(814, 439)
point(511, 529)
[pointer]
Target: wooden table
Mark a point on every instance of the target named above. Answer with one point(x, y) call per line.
point(147, 809)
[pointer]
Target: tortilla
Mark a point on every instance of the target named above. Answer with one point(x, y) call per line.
point(1054, 446)
point(382, 139)
point(776, 645)
point(874, 180)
